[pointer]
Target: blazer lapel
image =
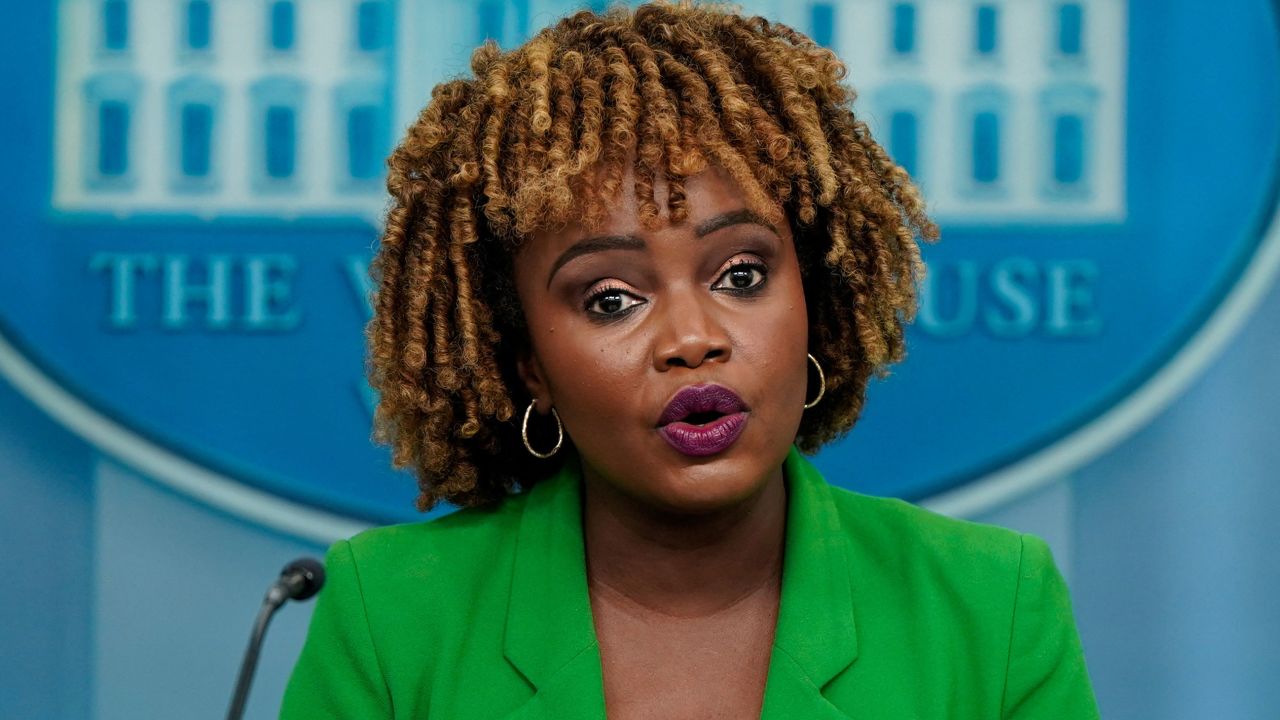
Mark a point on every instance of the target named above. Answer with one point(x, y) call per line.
point(574, 692)
point(816, 637)
point(550, 638)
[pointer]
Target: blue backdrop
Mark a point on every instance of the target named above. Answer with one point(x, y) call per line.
point(193, 191)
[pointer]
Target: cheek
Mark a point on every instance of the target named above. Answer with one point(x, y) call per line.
point(776, 327)
point(588, 368)
point(772, 340)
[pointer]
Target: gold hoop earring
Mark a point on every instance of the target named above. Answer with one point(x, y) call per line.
point(822, 383)
point(524, 432)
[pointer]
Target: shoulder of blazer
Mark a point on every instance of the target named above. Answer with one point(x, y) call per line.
point(901, 539)
point(918, 529)
point(436, 568)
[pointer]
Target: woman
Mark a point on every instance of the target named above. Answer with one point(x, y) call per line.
point(631, 269)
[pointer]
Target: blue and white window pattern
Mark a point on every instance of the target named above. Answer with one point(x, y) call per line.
point(1000, 117)
point(822, 24)
point(276, 106)
point(206, 108)
point(111, 134)
point(372, 26)
point(194, 120)
point(902, 29)
point(281, 26)
point(115, 26)
point(1066, 119)
point(1070, 27)
point(195, 27)
point(1016, 116)
point(983, 116)
point(904, 111)
point(361, 113)
point(986, 30)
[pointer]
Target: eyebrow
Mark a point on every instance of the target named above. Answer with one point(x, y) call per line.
point(595, 245)
point(633, 242)
point(733, 217)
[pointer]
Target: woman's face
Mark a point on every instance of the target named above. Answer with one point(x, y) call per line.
point(622, 319)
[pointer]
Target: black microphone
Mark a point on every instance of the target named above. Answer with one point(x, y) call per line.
point(299, 580)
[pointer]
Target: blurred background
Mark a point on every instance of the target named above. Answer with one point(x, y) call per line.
point(193, 192)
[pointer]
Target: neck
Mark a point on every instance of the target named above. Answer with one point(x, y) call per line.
point(683, 565)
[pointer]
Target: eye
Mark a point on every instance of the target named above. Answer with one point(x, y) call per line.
point(611, 301)
point(742, 275)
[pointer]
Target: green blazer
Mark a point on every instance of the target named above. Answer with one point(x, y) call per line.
point(887, 611)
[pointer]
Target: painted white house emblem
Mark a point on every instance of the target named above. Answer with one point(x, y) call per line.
point(184, 255)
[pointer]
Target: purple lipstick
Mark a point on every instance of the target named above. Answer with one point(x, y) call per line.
point(703, 420)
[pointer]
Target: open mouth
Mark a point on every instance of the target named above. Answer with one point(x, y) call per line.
point(701, 404)
point(703, 420)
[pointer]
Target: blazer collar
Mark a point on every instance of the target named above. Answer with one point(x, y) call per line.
point(550, 638)
point(816, 637)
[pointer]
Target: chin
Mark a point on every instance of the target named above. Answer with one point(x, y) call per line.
point(710, 484)
point(655, 475)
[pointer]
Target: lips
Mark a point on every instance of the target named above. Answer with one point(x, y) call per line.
point(703, 420)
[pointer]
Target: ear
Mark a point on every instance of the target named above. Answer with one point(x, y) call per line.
point(535, 380)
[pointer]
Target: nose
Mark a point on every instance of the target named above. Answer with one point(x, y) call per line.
point(690, 334)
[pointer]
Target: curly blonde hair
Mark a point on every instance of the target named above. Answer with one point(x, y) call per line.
point(542, 133)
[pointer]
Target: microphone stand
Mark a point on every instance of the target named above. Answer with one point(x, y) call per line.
point(270, 604)
point(299, 580)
